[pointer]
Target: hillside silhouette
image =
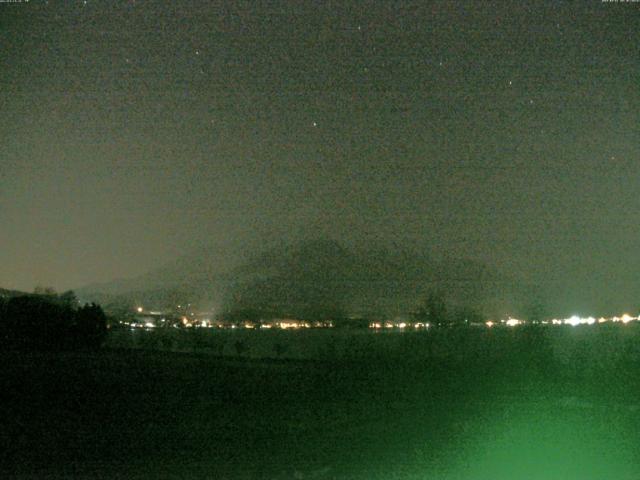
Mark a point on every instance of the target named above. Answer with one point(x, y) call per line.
point(311, 275)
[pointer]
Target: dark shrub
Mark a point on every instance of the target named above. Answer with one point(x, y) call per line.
point(90, 326)
point(43, 322)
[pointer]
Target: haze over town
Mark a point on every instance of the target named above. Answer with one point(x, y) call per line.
point(319, 240)
point(510, 139)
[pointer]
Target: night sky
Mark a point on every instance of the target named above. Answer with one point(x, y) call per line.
point(135, 132)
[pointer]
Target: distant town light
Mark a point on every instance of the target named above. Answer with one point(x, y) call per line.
point(626, 318)
point(573, 321)
point(139, 309)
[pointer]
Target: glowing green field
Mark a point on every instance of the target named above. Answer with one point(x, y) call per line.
point(523, 414)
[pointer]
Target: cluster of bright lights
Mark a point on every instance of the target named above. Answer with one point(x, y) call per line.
point(509, 322)
point(624, 319)
point(400, 325)
point(139, 325)
point(287, 324)
point(574, 321)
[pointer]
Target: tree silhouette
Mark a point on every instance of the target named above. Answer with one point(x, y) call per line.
point(432, 310)
point(40, 290)
point(90, 326)
point(68, 299)
point(45, 322)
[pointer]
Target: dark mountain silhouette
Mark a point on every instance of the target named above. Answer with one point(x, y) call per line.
point(313, 276)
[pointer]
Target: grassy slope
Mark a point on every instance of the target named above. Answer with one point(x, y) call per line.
point(148, 415)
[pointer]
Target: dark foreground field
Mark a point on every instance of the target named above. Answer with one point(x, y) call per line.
point(134, 414)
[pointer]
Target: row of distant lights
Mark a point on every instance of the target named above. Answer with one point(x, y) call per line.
point(401, 325)
point(574, 321)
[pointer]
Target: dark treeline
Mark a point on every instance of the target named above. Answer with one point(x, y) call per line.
point(50, 322)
